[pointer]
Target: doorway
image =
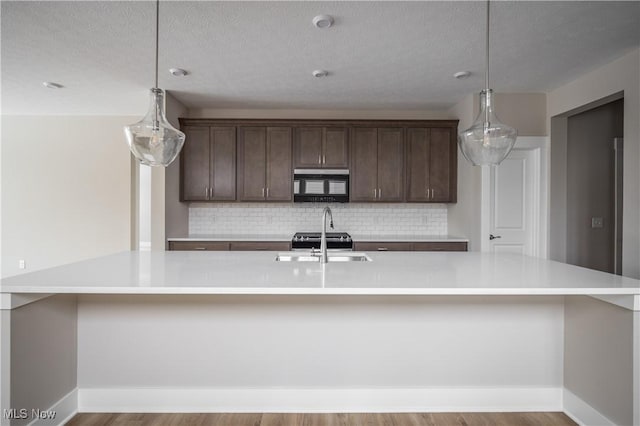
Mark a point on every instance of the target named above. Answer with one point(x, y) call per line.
point(514, 200)
point(594, 188)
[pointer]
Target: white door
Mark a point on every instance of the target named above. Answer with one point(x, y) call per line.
point(514, 193)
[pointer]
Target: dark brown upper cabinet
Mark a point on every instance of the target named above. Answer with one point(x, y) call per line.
point(389, 160)
point(321, 147)
point(265, 170)
point(431, 165)
point(377, 160)
point(208, 164)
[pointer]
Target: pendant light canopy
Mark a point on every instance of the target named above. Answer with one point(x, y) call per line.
point(153, 140)
point(487, 141)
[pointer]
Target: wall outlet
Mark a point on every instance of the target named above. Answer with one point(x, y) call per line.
point(22, 264)
point(597, 222)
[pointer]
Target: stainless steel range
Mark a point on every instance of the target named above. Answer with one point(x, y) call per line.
point(311, 240)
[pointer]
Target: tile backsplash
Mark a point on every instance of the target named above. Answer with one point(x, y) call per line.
point(362, 219)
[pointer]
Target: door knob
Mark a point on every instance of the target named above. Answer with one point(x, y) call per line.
point(493, 237)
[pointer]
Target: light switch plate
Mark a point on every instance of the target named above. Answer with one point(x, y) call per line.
point(597, 222)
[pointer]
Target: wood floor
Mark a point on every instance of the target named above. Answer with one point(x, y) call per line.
point(342, 419)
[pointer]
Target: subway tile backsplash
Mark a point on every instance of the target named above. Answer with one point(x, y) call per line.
point(362, 219)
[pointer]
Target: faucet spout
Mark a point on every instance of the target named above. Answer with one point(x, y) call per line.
point(323, 237)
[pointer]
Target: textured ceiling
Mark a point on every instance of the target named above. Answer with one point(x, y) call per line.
point(380, 55)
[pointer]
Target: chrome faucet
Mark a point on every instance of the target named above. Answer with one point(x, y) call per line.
point(323, 237)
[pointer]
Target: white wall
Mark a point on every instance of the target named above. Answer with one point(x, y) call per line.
point(622, 74)
point(66, 189)
point(43, 354)
point(176, 214)
point(324, 114)
point(464, 217)
point(524, 111)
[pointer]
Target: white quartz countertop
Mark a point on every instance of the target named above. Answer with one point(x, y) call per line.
point(355, 237)
point(389, 273)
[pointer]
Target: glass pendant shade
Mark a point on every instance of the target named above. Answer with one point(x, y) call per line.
point(153, 140)
point(487, 141)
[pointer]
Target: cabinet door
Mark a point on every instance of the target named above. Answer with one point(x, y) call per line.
point(336, 148)
point(198, 245)
point(195, 164)
point(390, 164)
point(252, 153)
point(440, 246)
point(417, 164)
point(279, 170)
point(364, 164)
point(308, 147)
point(260, 246)
point(383, 246)
point(223, 163)
point(440, 164)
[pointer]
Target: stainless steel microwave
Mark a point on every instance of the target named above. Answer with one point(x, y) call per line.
point(321, 185)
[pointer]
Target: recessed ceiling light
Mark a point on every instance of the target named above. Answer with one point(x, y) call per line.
point(178, 72)
point(52, 85)
point(320, 73)
point(323, 21)
point(462, 75)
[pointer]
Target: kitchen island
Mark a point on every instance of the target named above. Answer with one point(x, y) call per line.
point(229, 331)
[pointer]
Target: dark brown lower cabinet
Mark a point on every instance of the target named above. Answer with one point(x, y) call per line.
point(198, 245)
point(229, 245)
point(260, 245)
point(442, 246)
point(382, 246)
point(410, 246)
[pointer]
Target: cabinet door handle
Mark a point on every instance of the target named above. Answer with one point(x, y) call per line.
point(324, 159)
point(383, 249)
point(199, 248)
point(211, 192)
point(262, 192)
point(319, 159)
point(375, 193)
point(206, 192)
point(379, 193)
point(432, 196)
point(267, 192)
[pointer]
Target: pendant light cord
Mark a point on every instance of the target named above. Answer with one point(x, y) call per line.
point(157, 37)
point(486, 75)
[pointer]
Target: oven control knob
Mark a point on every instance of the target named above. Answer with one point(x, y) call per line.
point(347, 239)
point(341, 238)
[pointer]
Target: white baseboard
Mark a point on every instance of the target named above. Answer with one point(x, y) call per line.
point(581, 412)
point(238, 400)
point(64, 410)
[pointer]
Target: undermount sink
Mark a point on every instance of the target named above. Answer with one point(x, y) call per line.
point(315, 257)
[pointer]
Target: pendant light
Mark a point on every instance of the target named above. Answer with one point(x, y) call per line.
point(487, 141)
point(153, 140)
